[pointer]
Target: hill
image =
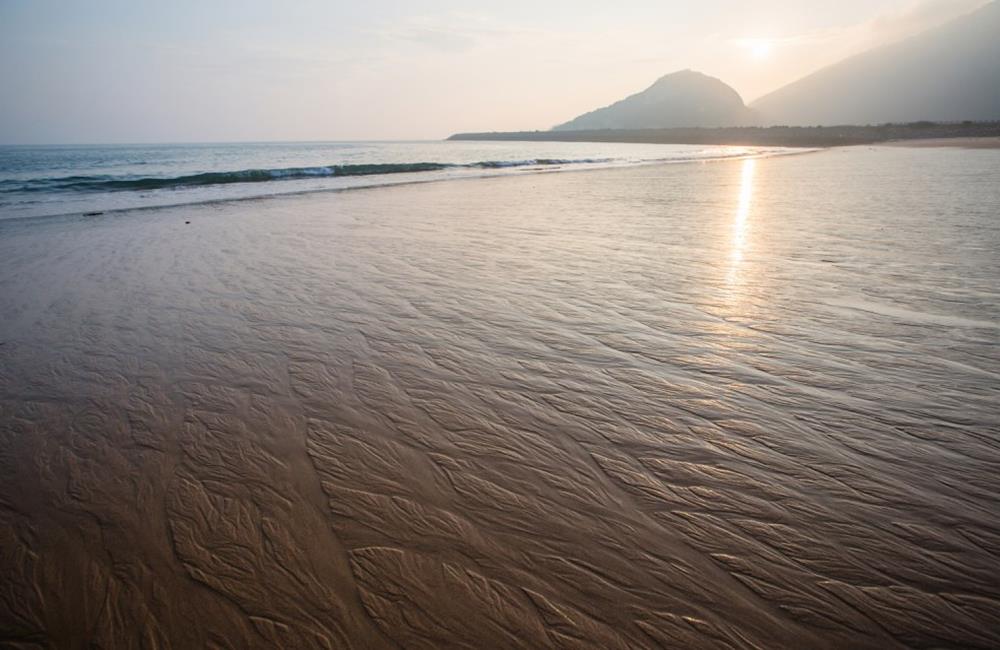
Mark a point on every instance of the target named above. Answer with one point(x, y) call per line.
point(681, 99)
point(949, 73)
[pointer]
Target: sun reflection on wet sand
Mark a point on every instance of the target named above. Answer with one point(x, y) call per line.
point(740, 225)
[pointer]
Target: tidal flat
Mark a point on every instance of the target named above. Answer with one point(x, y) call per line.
point(737, 404)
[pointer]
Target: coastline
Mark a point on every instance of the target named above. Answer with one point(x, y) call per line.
point(781, 136)
point(985, 142)
point(397, 180)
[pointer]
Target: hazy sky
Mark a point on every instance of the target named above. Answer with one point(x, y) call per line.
point(136, 71)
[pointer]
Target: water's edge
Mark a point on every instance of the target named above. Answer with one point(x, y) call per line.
point(498, 171)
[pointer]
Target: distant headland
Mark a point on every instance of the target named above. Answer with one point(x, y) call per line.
point(775, 136)
point(942, 83)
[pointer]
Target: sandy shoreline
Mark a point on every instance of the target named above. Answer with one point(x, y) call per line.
point(964, 143)
point(665, 406)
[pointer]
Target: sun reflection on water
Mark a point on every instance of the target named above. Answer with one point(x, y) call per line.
point(740, 224)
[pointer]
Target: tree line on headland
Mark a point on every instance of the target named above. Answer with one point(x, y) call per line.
point(777, 136)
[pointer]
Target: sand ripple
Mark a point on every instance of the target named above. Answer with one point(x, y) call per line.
point(635, 408)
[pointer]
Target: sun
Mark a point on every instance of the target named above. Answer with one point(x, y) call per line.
point(761, 49)
point(758, 48)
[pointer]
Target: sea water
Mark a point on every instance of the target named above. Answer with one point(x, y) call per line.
point(51, 180)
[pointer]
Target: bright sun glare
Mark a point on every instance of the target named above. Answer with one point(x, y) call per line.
point(759, 48)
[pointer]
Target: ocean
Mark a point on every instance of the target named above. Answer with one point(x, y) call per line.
point(53, 180)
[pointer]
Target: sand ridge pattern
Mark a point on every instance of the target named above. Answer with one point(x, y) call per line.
point(704, 406)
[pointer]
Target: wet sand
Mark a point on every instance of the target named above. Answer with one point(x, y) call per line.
point(965, 143)
point(728, 405)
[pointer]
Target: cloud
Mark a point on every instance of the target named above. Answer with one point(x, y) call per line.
point(449, 32)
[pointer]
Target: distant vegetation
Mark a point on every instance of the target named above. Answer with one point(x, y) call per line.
point(778, 136)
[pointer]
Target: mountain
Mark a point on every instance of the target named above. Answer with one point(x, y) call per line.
point(681, 99)
point(949, 73)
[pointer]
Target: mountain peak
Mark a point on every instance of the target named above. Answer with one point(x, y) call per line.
point(680, 74)
point(685, 98)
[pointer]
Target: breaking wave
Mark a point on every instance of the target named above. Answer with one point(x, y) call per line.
point(106, 183)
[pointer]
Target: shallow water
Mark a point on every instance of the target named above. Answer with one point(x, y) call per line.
point(60, 180)
point(748, 404)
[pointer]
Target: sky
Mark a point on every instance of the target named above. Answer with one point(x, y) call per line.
point(108, 71)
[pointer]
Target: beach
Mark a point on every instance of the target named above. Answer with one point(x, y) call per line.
point(733, 404)
point(965, 143)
